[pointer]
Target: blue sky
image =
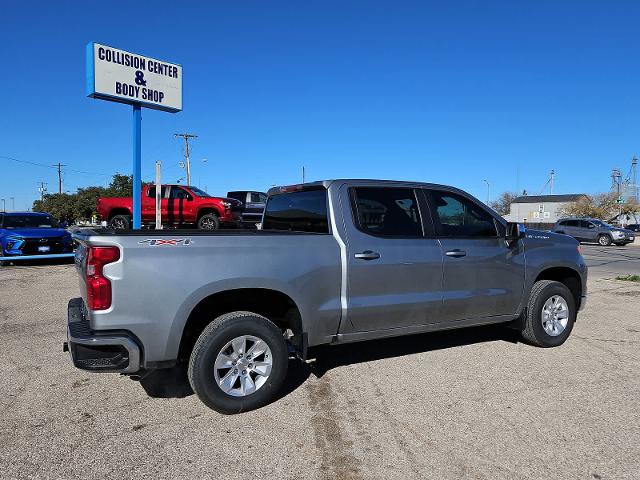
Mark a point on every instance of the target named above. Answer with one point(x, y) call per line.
point(448, 92)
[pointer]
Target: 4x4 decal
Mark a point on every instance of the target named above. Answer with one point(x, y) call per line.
point(172, 242)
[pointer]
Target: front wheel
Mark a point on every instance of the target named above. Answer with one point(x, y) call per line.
point(550, 315)
point(604, 240)
point(209, 221)
point(238, 363)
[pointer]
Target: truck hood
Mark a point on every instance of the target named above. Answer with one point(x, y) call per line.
point(35, 232)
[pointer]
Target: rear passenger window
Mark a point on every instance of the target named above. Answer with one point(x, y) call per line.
point(304, 211)
point(457, 216)
point(388, 212)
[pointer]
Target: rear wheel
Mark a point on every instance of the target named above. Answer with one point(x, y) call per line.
point(604, 240)
point(120, 222)
point(550, 314)
point(209, 221)
point(238, 363)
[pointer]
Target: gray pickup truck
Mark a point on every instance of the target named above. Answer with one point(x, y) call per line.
point(335, 261)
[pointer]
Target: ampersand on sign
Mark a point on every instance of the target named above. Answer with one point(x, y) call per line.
point(140, 78)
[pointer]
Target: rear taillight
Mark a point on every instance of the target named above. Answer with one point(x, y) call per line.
point(98, 286)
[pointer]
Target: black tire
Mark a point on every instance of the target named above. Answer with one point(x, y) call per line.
point(213, 339)
point(209, 221)
point(120, 222)
point(533, 331)
point(604, 240)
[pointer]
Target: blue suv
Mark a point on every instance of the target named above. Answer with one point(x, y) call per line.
point(32, 235)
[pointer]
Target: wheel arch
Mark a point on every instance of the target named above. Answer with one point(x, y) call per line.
point(566, 275)
point(118, 211)
point(207, 209)
point(273, 304)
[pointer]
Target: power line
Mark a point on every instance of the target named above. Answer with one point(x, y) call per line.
point(54, 166)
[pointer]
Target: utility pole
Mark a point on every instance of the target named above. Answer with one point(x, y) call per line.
point(13, 204)
point(186, 137)
point(59, 167)
point(3, 203)
point(42, 189)
point(551, 180)
point(303, 174)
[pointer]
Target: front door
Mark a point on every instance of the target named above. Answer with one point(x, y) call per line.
point(179, 206)
point(394, 268)
point(483, 276)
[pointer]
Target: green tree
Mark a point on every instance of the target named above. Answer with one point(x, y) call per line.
point(60, 205)
point(121, 186)
point(82, 204)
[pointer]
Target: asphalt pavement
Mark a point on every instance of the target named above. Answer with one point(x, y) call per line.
point(612, 260)
point(472, 403)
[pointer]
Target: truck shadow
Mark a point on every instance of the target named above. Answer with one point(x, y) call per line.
point(173, 383)
point(326, 358)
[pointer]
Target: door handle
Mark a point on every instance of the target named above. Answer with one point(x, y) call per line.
point(456, 253)
point(367, 255)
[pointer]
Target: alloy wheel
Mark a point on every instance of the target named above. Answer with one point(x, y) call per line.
point(243, 365)
point(555, 315)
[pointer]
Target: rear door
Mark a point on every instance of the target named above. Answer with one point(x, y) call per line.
point(572, 228)
point(483, 276)
point(149, 204)
point(394, 263)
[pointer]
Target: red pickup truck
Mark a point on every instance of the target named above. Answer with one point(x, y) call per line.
point(179, 205)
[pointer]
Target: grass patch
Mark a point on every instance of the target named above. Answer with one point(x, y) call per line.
point(629, 278)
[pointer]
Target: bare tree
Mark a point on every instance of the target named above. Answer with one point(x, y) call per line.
point(503, 204)
point(600, 205)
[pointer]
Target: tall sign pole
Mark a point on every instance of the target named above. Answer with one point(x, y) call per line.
point(137, 166)
point(158, 196)
point(125, 77)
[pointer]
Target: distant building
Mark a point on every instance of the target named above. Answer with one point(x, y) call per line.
point(540, 208)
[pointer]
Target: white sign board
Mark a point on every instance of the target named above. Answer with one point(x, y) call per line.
point(120, 76)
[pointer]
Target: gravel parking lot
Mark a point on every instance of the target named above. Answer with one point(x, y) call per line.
point(471, 403)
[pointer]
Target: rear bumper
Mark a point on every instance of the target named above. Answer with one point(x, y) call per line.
point(98, 351)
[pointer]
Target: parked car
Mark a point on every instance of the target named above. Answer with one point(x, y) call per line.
point(180, 205)
point(593, 230)
point(335, 262)
point(29, 235)
point(634, 227)
point(253, 204)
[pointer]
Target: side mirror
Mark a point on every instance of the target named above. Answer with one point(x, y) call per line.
point(515, 231)
point(189, 198)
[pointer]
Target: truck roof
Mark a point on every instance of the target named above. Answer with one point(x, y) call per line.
point(355, 181)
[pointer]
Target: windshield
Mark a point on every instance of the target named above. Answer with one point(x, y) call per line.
point(29, 221)
point(199, 193)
